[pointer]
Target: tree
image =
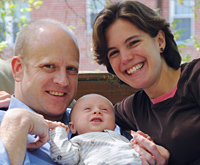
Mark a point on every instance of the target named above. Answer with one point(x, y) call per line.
point(7, 13)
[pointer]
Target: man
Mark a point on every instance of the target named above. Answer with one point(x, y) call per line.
point(45, 69)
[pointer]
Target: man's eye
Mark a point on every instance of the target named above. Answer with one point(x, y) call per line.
point(48, 66)
point(72, 70)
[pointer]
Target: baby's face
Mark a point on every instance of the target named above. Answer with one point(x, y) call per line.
point(92, 113)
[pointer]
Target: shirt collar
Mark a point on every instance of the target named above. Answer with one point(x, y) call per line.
point(15, 103)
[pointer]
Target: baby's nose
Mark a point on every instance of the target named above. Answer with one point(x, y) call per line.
point(97, 112)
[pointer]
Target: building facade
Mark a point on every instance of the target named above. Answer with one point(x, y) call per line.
point(80, 14)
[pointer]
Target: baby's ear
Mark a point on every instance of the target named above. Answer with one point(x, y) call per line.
point(71, 126)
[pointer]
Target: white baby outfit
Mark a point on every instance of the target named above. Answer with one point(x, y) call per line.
point(94, 148)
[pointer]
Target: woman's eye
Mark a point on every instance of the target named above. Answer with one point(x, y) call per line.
point(113, 53)
point(133, 43)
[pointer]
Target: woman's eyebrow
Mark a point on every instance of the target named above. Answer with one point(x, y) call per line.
point(128, 39)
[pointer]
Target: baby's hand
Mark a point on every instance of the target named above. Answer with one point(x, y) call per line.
point(54, 124)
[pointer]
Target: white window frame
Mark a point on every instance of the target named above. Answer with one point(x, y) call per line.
point(9, 27)
point(90, 11)
point(179, 16)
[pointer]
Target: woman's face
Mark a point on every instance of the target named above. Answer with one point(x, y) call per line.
point(134, 55)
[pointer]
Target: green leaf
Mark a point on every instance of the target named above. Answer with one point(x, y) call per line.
point(72, 27)
point(3, 44)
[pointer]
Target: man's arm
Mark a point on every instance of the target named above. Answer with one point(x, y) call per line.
point(16, 125)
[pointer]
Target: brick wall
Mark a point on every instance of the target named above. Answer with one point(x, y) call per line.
point(72, 12)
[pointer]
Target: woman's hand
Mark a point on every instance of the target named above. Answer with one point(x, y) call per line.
point(4, 99)
point(150, 153)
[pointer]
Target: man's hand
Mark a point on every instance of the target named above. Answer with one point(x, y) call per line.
point(39, 142)
point(16, 125)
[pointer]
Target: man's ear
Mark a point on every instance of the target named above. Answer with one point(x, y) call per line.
point(17, 68)
point(71, 126)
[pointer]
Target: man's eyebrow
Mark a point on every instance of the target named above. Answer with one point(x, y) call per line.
point(128, 39)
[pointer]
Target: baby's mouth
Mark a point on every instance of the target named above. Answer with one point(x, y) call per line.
point(135, 68)
point(96, 119)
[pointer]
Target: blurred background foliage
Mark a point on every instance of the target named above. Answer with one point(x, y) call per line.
point(8, 10)
point(9, 7)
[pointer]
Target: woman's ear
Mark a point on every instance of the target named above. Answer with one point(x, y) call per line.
point(161, 39)
point(17, 68)
point(71, 126)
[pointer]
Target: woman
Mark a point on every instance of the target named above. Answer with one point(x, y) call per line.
point(136, 45)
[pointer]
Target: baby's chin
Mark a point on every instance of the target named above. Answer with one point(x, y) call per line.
point(93, 130)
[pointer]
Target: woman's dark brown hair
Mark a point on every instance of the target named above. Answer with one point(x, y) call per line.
point(143, 18)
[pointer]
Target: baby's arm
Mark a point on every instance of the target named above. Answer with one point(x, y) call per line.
point(54, 124)
point(63, 151)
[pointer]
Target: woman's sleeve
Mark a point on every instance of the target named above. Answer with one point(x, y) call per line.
point(123, 114)
point(63, 151)
point(191, 80)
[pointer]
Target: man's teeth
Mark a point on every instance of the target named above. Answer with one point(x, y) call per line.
point(56, 93)
point(135, 68)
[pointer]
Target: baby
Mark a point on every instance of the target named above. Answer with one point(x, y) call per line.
point(92, 120)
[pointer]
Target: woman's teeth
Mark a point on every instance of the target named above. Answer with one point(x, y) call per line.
point(135, 68)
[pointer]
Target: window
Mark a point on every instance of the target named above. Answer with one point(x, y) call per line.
point(9, 27)
point(2, 30)
point(18, 14)
point(183, 16)
point(93, 8)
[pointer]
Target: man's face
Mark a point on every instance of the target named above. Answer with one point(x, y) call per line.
point(49, 73)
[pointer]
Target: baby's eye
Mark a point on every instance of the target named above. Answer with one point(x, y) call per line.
point(104, 109)
point(87, 109)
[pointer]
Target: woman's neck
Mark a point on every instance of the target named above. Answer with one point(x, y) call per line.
point(165, 84)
